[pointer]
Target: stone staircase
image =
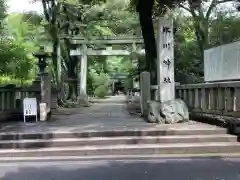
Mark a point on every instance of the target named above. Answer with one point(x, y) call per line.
point(118, 143)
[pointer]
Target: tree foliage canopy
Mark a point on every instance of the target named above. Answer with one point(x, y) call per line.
point(199, 24)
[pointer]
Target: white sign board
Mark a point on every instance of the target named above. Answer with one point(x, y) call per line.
point(29, 107)
point(165, 66)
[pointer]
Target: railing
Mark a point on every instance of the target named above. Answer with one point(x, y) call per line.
point(219, 98)
point(222, 98)
point(11, 99)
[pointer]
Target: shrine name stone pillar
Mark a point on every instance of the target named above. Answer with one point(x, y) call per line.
point(165, 61)
point(167, 110)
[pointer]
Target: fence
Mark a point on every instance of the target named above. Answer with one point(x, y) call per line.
point(11, 100)
point(222, 98)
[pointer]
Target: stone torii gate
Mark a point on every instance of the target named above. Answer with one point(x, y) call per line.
point(83, 51)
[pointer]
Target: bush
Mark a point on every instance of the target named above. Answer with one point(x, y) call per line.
point(4, 79)
point(101, 91)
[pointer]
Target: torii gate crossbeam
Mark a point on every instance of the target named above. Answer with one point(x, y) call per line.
point(106, 40)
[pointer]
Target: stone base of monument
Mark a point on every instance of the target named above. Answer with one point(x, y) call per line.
point(169, 112)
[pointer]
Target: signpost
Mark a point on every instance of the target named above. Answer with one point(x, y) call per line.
point(29, 108)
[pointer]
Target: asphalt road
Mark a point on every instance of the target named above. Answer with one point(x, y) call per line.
point(160, 169)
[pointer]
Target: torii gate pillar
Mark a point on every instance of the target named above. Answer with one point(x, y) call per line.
point(83, 98)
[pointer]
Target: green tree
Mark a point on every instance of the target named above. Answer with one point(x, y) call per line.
point(89, 19)
point(201, 13)
point(224, 29)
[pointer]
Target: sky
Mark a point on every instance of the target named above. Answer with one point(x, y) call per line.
point(23, 5)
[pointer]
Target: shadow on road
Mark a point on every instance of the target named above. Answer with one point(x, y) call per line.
point(182, 169)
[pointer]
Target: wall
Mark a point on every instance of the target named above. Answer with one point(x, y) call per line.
point(222, 63)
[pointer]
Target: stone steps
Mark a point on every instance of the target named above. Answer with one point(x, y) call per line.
point(113, 133)
point(139, 149)
point(165, 141)
point(106, 141)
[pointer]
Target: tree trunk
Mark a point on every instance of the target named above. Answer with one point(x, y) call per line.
point(55, 58)
point(71, 63)
point(201, 32)
point(72, 95)
point(73, 83)
point(200, 25)
point(50, 9)
point(144, 9)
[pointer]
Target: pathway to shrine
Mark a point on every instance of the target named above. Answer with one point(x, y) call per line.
point(108, 114)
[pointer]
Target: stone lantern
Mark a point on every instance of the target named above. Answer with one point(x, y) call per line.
point(42, 62)
point(42, 56)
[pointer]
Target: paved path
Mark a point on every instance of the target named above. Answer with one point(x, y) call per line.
point(105, 115)
point(165, 169)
